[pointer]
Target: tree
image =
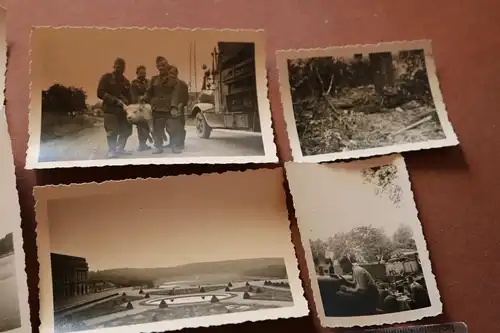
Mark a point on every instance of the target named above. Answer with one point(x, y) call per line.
point(382, 70)
point(403, 238)
point(385, 180)
point(318, 248)
point(61, 99)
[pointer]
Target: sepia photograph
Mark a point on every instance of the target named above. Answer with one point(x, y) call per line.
point(14, 307)
point(367, 266)
point(361, 101)
point(153, 263)
point(99, 98)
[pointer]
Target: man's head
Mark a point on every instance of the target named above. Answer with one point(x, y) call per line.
point(173, 72)
point(141, 72)
point(346, 265)
point(162, 65)
point(119, 66)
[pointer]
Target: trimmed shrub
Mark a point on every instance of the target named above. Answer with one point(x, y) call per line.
point(141, 291)
point(163, 304)
point(246, 295)
point(129, 305)
point(155, 317)
point(259, 290)
point(147, 295)
point(229, 284)
point(214, 299)
point(202, 290)
point(227, 289)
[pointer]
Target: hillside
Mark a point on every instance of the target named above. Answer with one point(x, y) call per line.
point(262, 267)
point(6, 244)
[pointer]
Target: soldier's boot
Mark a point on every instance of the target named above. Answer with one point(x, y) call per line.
point(157, 150)
point(176, 149)
point(111, 146)
point(120, 148)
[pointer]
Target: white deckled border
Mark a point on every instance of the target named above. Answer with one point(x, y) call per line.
point(306, 221)
point(9, 196)
point(247, 35)
point(348, 51)
point(44, 194)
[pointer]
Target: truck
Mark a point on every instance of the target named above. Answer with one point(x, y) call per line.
point(228, 98)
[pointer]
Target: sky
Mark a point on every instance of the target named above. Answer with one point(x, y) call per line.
point(176, 221)
point(341, 201)
point(78, 56)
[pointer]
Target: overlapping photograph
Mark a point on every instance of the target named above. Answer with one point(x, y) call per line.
point(14, 307)
point(359, 101)
point(365, 250)
point(127, 96)
point(179, 255)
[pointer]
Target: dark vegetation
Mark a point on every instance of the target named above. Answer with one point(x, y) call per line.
point(363, 102)
point(7, 244)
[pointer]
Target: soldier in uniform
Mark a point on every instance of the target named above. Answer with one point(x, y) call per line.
point(114, 91)
point(159, 95)
point(138, 89)
point(159, 60)
point(177, 121)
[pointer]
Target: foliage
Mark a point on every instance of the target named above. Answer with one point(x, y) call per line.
point(346, 104)
point(403, 238)
point(384, 178)
point(7, 244)
point(61, 99)
point(365, 244)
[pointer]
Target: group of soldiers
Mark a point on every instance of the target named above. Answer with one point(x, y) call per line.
point(165, 92)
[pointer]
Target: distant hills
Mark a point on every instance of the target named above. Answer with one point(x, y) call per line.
point(272, 268)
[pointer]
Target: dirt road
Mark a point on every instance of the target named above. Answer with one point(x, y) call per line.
point(90, 144)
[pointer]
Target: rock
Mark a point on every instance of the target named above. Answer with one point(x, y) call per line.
point(214, 299)
point(163, 304)
point(129, 305)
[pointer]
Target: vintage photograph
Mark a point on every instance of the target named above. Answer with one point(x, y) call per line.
point(14, 308)
point(360, 101)
point(153, 264)
point(97, 98)
point(367, 266)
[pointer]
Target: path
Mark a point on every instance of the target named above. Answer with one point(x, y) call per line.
point(90, 144)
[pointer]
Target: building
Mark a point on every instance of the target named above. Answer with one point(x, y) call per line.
point(69, 276)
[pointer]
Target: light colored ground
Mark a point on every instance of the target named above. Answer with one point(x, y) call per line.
point(90, 144)
point(9, 304)
point(143, 313)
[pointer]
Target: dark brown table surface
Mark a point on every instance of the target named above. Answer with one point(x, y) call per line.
point(457, 189)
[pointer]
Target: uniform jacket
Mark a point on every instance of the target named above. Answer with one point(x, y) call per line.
point(180, 94)
point(159, 93)
point(138, 89)
point(110, 90)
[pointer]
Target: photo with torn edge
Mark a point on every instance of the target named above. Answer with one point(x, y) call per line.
point(104, 96)
point(14, 307)
point(363, 100)
point(179, 255)
point(365, 250)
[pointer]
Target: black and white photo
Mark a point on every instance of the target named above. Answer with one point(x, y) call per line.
point(360, 101)
point(14, 307)
point(365, 250)
point(154, 263)
point(129, 96)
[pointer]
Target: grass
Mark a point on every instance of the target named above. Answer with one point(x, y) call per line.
point(361, 120)
point(267, 294)
point(187, 291)
point(107, 307)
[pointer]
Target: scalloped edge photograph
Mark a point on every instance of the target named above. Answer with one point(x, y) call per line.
point(360, 230)
point(223, 115)
point(185, 252)
point(355, 101)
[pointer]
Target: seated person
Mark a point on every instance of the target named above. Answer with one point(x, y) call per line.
point(361, 295)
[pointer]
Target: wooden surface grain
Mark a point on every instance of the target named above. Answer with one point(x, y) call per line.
point(457, 189)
